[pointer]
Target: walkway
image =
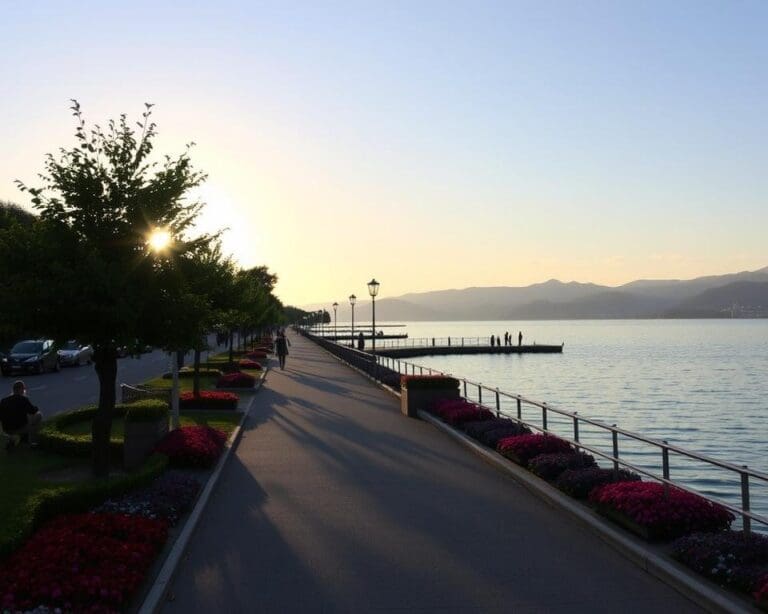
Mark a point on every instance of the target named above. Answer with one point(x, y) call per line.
point(335, 502)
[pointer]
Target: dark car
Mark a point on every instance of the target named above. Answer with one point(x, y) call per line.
point(31, 356)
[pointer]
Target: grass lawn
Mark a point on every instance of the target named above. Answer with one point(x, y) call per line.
point(23, 471)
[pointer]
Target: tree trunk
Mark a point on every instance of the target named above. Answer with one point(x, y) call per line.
point(105, 360)
point(196, 377)
point(231, 346)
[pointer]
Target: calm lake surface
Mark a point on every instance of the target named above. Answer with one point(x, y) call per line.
point(699, 384)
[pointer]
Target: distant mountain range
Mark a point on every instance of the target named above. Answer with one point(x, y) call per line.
point(741, 295)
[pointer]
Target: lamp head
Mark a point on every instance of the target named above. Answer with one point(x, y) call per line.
point(352, 299)
point(373, 287)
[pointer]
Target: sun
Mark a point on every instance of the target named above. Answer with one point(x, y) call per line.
point(159, 239)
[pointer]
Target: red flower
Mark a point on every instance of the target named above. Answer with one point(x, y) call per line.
point(522, 448)
point(83, 562)
point(208, 399)
point(236, 380)
point(249, 363)
point(192, 446)
point(669, 512)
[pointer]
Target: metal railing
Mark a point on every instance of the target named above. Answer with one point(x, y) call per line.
point(423, 342)
point(551, 419)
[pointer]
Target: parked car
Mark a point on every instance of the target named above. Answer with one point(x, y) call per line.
point(32, 355)
point(73, 353)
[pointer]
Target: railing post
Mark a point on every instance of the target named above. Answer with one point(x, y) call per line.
point(449, 342)
point(576, 426)
point(665, 465)
point(421, 370)
point(462, 342)
point(615, 449)
point(498, 404)
point(519, 408)
point(544, 416)
point(480, 394)
point(746, 520)
point(465, 388)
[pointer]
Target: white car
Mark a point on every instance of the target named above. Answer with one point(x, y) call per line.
point(73, 354)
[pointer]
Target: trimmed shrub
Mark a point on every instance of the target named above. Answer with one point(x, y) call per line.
point(664, 515)
point(494, 436)
point(522, 448)
point(478, 428)
point(84, 562)
point(247, 363)
point(187, 373)
point(428, 382)
point(462, 415)
point(550, 466)
point(192, 446)
point(54, 439)
point(236, 380)
point(147, 410)
point(578, 483)
point(730, 558)
point(208, 399)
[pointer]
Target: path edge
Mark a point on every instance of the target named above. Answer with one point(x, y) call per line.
point(155, 598)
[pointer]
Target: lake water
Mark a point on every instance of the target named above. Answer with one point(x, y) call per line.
point(699, 384)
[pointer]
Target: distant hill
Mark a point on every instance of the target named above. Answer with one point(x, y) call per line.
point(742, 294)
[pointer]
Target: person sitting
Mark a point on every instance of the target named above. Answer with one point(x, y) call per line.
point(18, 417)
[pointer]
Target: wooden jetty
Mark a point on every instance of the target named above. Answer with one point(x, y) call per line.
point(451, 350)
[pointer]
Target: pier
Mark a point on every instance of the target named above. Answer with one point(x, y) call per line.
point(455, 346)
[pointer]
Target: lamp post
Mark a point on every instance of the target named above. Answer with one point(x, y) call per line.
point(352, 299)
point(373, 290)
point(321, 320)
point(335, 323)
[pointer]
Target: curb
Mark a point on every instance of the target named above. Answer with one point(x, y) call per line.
point(156, 595)
point(669, 572)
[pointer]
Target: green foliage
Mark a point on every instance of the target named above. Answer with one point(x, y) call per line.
point(53, 499)
point(188, 373)
point(147, 410)
point(53, 438)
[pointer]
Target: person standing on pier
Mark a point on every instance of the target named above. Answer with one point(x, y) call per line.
point(506, 338)
point(519, 338)
point(493, 340)
point(360, 342)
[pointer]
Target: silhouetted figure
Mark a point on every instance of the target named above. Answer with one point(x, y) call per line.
point(360, 342)
point(493, 340)
point(281, 348)
point(520, 338)
point(18, 417)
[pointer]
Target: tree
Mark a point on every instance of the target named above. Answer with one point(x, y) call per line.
point(86, 270)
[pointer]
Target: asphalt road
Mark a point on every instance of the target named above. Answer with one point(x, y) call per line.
point(74, 387)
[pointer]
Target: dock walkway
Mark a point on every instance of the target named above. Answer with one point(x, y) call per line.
point(335, 502)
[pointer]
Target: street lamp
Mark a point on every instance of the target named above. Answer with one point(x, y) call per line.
point(321, 319)
point(352, 299)
point(335, 323)
point(373, 290)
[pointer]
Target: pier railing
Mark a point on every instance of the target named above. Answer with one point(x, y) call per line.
point(420, 342)
point(614, 444)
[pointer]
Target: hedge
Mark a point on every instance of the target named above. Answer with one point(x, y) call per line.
point(190, 373)
point(54, 439)
point(79, 497)
point(147, 410)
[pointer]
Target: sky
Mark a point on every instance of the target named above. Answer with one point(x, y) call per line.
point(431, 145)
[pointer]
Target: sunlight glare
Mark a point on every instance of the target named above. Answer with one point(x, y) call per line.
point(159, 239)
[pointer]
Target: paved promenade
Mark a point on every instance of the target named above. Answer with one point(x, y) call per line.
point(335, 502)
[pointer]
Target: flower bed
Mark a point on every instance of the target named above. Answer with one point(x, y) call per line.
point(167, 498)
point(208, 399)
point(188, 372)
point(428, 382)
point(730, 558)
point(478, 428)
point(494, 436)
point(470, 413)
point(236, 380)
point(645, 508)
point(192, 446)
point(84, 562)
point(249, 363)
point(578, 483)
point(256, 355)
point(550, 466)
point(522, 448)
point(761, 594)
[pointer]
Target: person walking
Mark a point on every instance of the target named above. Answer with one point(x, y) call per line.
point(520, 338)
point(18, 417)
point(360, 342)
point(281, 348)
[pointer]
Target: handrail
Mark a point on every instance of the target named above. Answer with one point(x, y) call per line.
point(743, 472)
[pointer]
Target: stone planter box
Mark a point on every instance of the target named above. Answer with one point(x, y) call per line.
point(140, 439)
point(414, 397)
